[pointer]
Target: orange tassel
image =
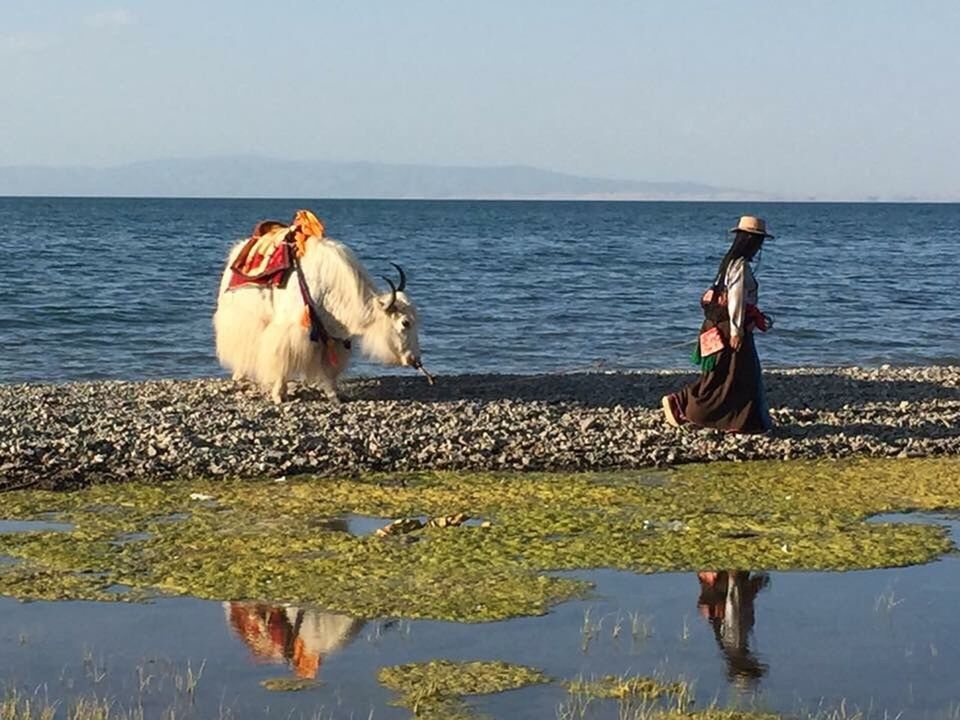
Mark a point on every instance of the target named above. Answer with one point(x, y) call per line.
point(307, 225)
point(305, 318)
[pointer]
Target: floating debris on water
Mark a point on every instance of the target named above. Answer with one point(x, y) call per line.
point(401, 526)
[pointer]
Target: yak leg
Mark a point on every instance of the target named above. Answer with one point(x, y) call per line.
point(318, 372)
point(321, 371)
point(278, 392)
point(330, 390)
point(283, 354)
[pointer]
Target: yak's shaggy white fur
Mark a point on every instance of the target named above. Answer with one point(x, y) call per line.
point(259, 333)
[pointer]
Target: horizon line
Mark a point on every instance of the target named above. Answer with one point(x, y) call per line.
point(662, 190)
point(245, 198)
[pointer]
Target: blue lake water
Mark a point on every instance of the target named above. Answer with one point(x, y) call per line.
point(125, 288)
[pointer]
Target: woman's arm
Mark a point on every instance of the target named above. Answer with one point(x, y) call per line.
point(735, 302)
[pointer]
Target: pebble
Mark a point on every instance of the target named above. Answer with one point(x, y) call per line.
point(62, 436)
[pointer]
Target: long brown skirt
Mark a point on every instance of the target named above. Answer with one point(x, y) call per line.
point(730, 397)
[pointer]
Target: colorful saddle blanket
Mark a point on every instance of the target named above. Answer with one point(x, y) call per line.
point(267, 255)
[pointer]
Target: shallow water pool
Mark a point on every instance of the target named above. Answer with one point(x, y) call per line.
point(882, 640)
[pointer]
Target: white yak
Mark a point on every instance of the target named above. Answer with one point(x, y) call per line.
point(302, 637)
point(259, 334)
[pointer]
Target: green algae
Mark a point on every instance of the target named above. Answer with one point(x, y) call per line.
point(436, 689)
point(279, 541)
point(627, 687)
point(716, 715)
point(289, 684)
point(644, 713)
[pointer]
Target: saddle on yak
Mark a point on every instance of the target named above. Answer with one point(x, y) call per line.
point(266, 257)
point(271, 254)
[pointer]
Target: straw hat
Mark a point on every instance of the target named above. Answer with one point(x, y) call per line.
point(752, 225)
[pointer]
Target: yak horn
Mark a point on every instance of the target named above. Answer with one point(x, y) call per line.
point(403, 277)
point(393, 294)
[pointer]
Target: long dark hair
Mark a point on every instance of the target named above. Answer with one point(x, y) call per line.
point(745, 245)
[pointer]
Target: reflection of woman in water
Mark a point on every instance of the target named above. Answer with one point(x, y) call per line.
point(298, 636)
point(726, 601)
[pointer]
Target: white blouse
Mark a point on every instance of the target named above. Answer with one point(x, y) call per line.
point(741, 291)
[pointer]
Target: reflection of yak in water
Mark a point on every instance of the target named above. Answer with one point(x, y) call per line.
point(297, 636)
point(726, 601)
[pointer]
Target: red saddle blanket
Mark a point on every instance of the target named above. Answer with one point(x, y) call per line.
point(267, 255)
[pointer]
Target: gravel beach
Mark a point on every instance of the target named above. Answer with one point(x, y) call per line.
point(60, 436)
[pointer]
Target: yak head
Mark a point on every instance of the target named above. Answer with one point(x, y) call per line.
point(393, 338)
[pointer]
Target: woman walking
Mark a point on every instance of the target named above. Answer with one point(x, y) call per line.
point(729, 394)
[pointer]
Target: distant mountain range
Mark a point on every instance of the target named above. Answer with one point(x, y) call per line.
point(255, 177)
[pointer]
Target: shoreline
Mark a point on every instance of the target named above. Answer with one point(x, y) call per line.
point(60, 436)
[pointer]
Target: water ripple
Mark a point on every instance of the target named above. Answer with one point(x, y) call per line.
point(125, 288)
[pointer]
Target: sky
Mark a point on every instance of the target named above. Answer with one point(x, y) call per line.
point(809, 98)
